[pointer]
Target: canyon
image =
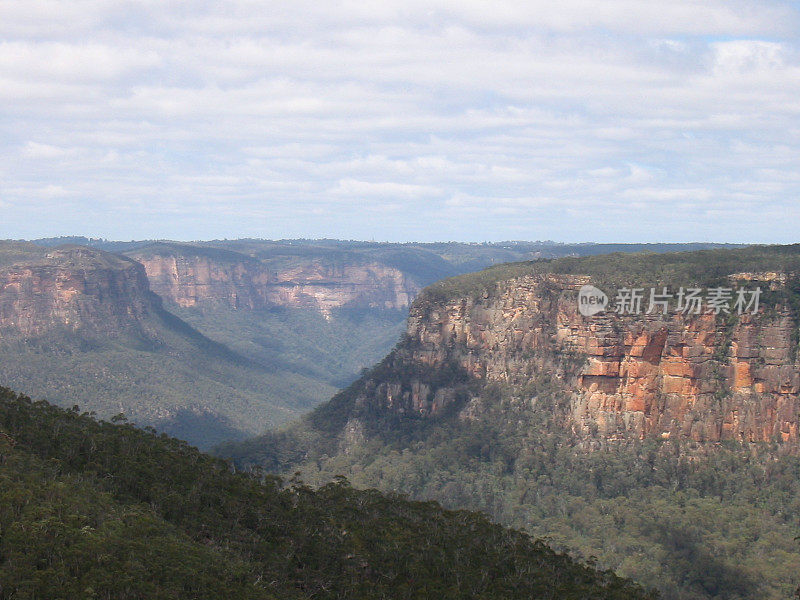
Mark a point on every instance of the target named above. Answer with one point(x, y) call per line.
point(297, 321)
point(512, 338)
point(81, 319)
point(679, 432)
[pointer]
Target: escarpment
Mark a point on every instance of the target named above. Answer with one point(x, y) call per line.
point(188, 280)
point(194, 278)
point(74, 288)
point(699, 377)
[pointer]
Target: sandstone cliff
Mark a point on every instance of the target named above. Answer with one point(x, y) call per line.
point(677, 376)
point(192, 277)
point(73, 288)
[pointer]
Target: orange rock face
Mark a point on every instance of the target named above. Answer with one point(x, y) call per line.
point(73, 288)
point(189, 280)
point(671, 376)
point(250, 284)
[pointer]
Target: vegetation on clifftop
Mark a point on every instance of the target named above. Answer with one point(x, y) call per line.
point(702, 268)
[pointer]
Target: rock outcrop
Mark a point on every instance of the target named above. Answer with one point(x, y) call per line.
point(694, 377)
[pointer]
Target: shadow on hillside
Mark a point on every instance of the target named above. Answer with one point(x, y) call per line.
point(204, 430)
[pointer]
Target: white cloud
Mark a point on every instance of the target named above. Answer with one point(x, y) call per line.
point(352, 188)
point(306, 118)
point(44, 151)
point(748, 55)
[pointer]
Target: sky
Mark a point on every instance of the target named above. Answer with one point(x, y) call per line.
point(614, 121)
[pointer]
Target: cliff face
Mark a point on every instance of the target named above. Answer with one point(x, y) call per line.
point(191, 280)
point(73, 288)
point(324, 287)
point(693, 377)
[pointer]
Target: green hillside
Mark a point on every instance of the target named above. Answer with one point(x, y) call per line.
point(702, 267)
point(98, 510)
point(182, 384)
point(302, 344)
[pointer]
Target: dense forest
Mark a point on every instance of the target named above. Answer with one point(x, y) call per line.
point(696, 522)
point(94, 509)
point(228, 396)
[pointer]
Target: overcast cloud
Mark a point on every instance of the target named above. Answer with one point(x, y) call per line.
point(625, 120)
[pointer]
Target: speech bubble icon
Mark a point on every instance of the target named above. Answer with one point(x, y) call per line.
point(591, 301)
